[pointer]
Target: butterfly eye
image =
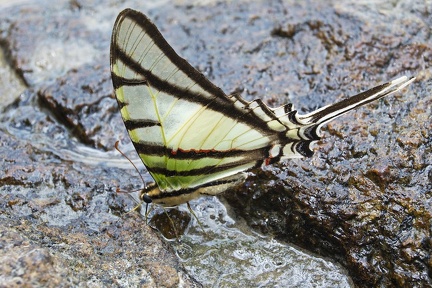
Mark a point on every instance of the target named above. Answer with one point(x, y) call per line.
point(144, 197)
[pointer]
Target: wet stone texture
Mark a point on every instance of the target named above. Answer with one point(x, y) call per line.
point(47, 256)
point(363, 199)
point(83, 101)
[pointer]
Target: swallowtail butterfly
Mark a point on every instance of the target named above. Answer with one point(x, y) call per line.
point(193, 138)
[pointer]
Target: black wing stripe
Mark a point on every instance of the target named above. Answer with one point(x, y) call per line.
point(119, 81)
point(202, 171)
point(303, 147)
point(157, 150)
point(139, 123)
point(148, 26)
point(221, 105)
point(354, 101)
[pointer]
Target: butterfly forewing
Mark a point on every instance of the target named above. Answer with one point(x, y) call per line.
point(185, 129)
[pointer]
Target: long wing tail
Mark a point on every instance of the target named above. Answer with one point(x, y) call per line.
point(329, 112)
point(306, 129)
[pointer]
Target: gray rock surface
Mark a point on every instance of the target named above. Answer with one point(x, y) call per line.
point(363, 199)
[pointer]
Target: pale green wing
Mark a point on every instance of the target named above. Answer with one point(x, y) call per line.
point(186, 130)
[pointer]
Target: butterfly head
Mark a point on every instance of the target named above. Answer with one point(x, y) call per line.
point(148, 193)
point(145, 198)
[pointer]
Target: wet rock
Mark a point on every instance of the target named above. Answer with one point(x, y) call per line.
point(171, 224)
point(46, 43)
point(84, 242)
point(121, 254)
point(62, 221)
point(363, 199)
point(83, 101)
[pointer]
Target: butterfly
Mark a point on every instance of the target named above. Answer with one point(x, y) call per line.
point(192, 137)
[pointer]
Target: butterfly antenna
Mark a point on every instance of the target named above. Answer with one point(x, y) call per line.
point(135, 208)
point(130, 161)
point(144, 197)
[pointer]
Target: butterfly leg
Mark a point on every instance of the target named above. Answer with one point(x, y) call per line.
point(195, 216)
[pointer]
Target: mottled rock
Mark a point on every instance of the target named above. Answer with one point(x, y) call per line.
point(121, 254)
point(83, 101)
point(363, 199)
